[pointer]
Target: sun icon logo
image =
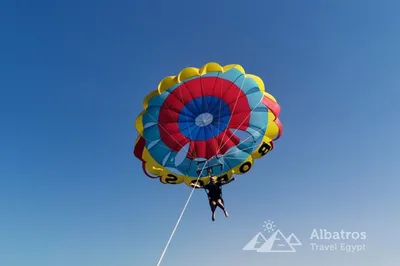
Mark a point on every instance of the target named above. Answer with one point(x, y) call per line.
point(269, 226)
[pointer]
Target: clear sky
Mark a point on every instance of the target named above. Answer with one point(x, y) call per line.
point(73, 75)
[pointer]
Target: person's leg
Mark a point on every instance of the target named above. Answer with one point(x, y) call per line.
point(220, 204)
point(213, 206)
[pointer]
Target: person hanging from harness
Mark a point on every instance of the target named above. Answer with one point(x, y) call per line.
point(214, 193)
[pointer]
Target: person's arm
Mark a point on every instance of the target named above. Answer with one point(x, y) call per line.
point(227, 182)
point(196, 185)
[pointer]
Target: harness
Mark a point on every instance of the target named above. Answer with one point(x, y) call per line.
point(209, 169)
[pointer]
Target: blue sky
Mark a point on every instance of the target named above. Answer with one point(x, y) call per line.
point(73, 77)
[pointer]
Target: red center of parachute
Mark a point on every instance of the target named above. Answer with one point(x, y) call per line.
point(227, 91)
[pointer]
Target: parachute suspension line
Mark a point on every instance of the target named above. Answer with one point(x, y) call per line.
point(206, 102)
point(188, 126)
point(155, 120)
point(243, 122)
point(166, 131)
point(210, 108)
point(235, 151)
point(179, 219)
point(220, 146)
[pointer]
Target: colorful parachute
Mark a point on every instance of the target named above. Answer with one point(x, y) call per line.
point(213, 120)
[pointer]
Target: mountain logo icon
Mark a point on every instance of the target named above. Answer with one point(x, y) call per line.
point(277, 242)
